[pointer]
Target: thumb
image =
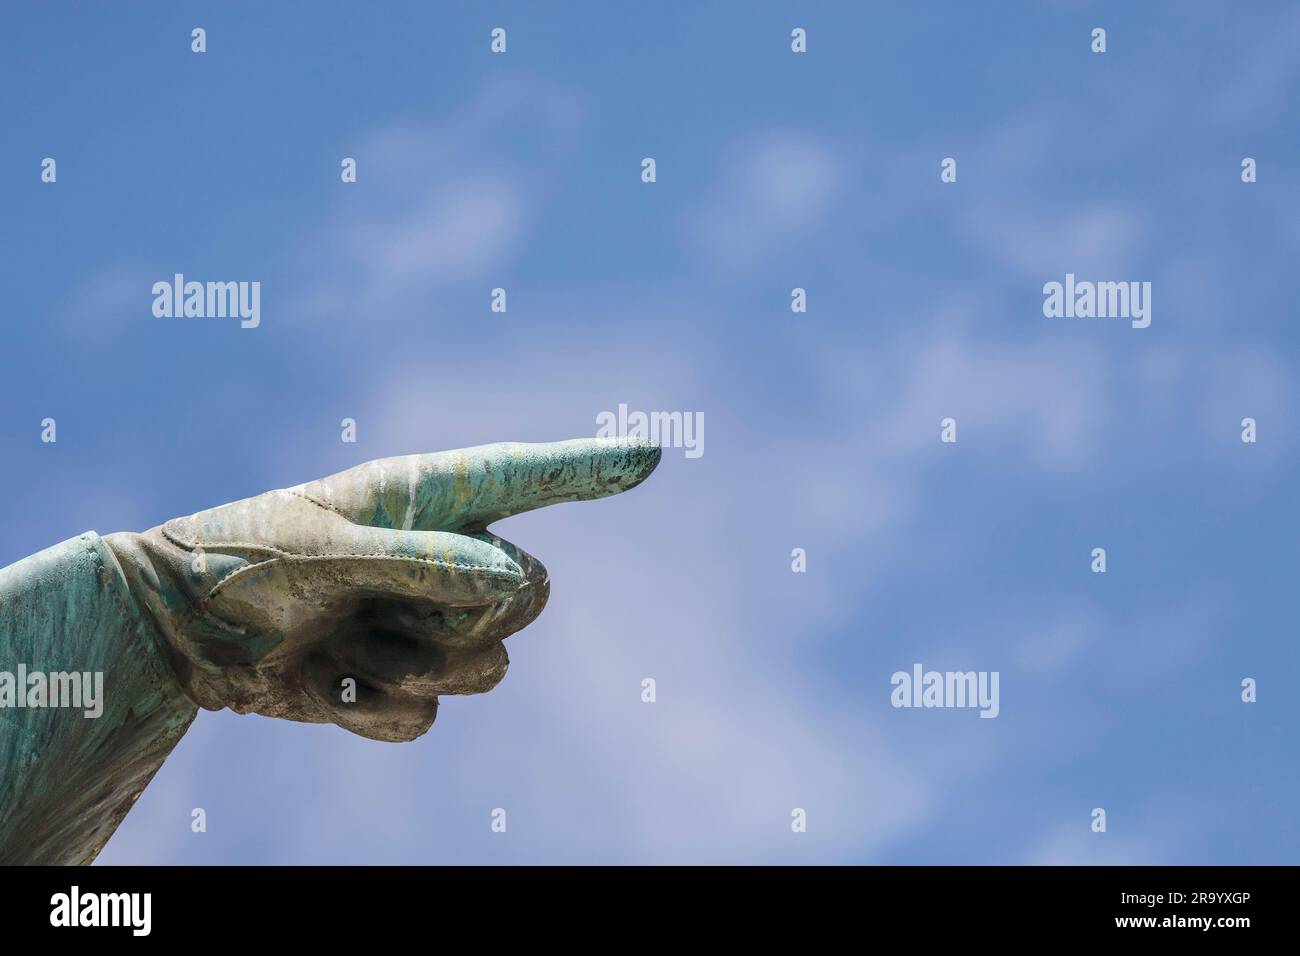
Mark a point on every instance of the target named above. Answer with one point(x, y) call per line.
point(437, 566)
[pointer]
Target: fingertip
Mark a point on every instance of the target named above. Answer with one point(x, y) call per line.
point(620, 464)
point(643, 457)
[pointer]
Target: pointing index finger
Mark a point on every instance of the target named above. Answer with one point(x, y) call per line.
point(472, 487)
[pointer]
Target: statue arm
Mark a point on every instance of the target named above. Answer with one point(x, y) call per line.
point(68, 775)
point(357, 599)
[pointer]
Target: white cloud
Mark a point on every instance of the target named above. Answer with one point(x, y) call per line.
point(774, 190)
point(446, 203)
point(458, 231)
point(1076, 845)
point(1094, 241)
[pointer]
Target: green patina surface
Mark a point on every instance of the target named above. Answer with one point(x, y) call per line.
point(384, 576)
point(67, 780)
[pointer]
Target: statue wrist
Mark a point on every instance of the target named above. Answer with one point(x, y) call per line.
point(159, 577)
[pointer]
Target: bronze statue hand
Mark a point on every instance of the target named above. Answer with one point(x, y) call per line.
point(360, 598)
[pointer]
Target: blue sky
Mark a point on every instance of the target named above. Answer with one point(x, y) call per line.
point(775, 170)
